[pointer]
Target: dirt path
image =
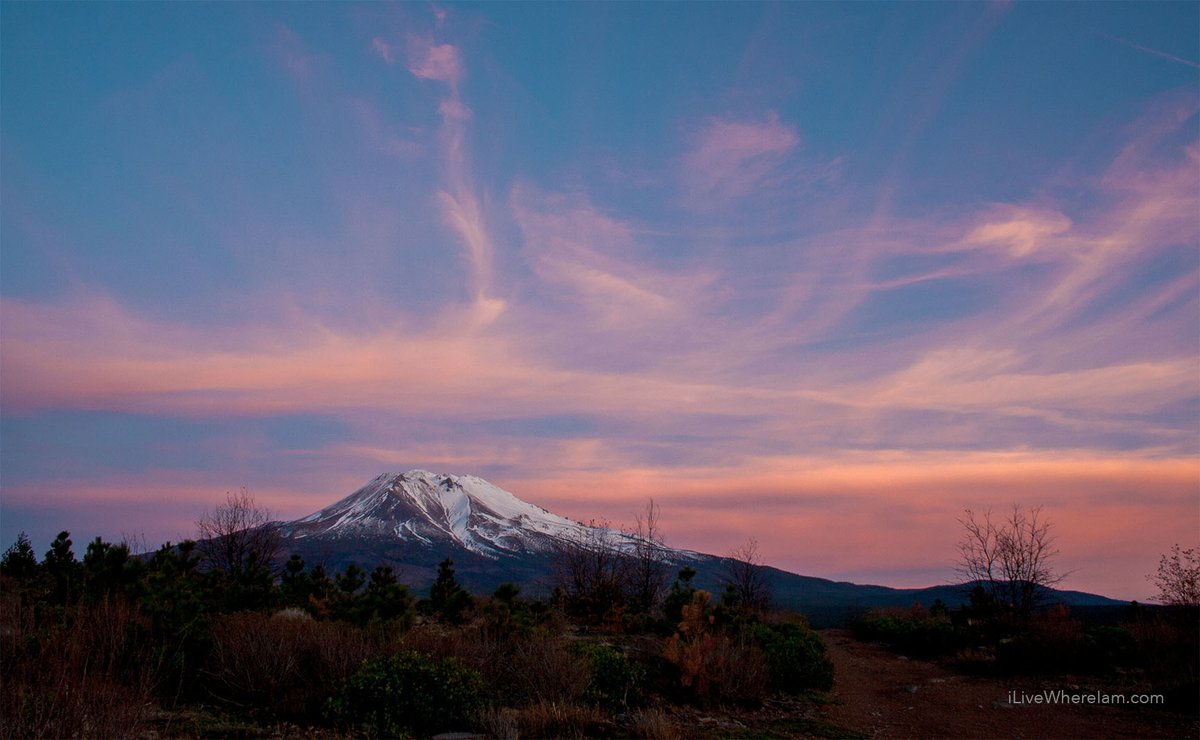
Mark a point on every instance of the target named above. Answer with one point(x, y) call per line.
point(884, 695)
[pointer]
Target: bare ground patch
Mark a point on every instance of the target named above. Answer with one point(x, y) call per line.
point(883, 695)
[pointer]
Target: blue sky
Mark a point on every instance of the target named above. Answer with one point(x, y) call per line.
point(865, 265)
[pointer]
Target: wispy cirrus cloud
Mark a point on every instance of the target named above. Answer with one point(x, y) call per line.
point(1155, 52)
point(846, 382)
point(427, 59)
point(295, 56)
point(727, 159)
point(384, 50)
point(572, 245)
point(1020, 230)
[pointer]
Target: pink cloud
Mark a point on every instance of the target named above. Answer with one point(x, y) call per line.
point(728, 159)
point(294, 55)
point(964, 378)
point(1022, 231)
point(383, 49)
point(458, 197)
point(572, 245)
point(399, 141)
point(91, 353)
point(431, 61)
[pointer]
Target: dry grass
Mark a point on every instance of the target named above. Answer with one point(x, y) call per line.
point(654, 724)
point(82, 672)
point(545, 719)
point(545, 671)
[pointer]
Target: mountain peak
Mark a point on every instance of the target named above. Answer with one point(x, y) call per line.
point(437, 509)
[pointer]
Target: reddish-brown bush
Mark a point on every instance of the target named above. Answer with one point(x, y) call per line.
point(713, 666)
point(284, 664)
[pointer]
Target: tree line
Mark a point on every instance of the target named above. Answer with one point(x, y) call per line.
point(225, 620)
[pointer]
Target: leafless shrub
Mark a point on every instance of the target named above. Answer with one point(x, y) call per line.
point(593, 571)
point(543, 670)
point(89, 675)
point(745, 676)
point(518, 669)
point(465, 644)
point(468, 645)
point(1167, 648)
point(285, 665)
point(1010, 557)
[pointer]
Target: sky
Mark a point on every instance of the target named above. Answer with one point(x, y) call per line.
point(825, 275)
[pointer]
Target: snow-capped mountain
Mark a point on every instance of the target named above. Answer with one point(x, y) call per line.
point(413, 520)
point(431, 510)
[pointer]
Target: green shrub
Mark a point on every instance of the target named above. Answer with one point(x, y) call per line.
point(916, 633)
point(795, 655)
point(615, 680)
point(409, 693)
point(1111, 646)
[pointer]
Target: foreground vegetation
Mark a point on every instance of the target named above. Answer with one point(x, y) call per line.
point(1147, 649)
point(115, 645)
point(226, 637)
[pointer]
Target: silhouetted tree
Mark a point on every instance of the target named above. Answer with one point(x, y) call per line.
point(447, 599)
point(177, 601)
point(649, 564)
point(680, 595)
point(350, 580)
point(385, 599)
point(1178, 577)
point(593, 573)
point(295, 586)
point(322, 585)
point(1010, 557)
point(239, 538)
point(108, 570)
point(745, 579)
point(19, 560)
point(63, 570)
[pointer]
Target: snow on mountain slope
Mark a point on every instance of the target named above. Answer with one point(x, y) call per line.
point(429, 508)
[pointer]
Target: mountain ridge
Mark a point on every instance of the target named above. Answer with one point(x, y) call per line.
point(412, 520)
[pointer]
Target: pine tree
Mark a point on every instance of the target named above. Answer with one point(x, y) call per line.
point(63, 569)
point(385, 599)
point(680, 595)
point(295, 585)
point(446, 597)
point(19, 561)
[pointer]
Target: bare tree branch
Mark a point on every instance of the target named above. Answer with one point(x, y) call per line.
point(649, 566)
point(239, 536)
point(1178, 577)
point(1011, 557)
point(745, 578)
point(592, 570)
